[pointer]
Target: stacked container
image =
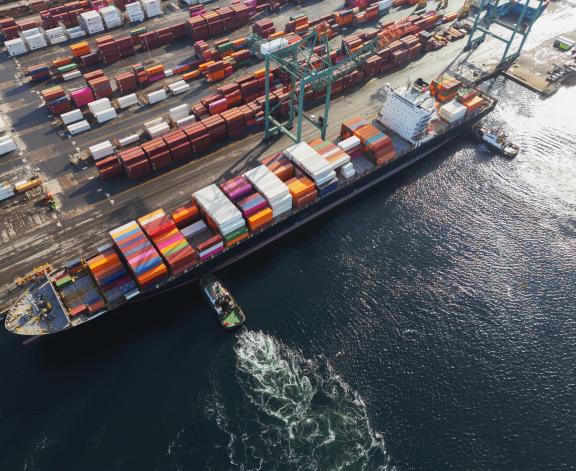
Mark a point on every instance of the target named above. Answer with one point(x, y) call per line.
point(111, 16)
point(110, 275)
point(313, 164)
point(236, 188)
point(36, 41)
point(80, 49)
point(135, 163)
point(452, 112)
point(303, 191)
point(185, 215)
point(206, 243)
point(56, 35)
point(101, 150)
point(331, 152)
point(143, 260)
point(16, 47)
point(272, 188)
point(352, 146)
point(56, 100)
point(134, 12)
point(82, 96)
point(158, 153)
point(175, 250)
point(222, 214)
point(151, 8)
point(374, 142)
point(91, 22)
point(177, 142)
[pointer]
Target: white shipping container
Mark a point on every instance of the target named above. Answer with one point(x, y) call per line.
point(57, 40)
point(54, 32)
point(77, 128)
point(179, 112)
point(7, 145)
point(101, 150)
point(31, 32)
point(452, 111)
point(37, 41)
point(77, 34)
point(154, 122)
point(99, 105)
point(168, 72)
point(156, 96)
point(71, 116)
point(3, 126)
point(131, 139)
point(274, 45)
point(186, 120)
point(181, 89)
point(15, 47)
point(127, 100)
point(158, 130)
point(71, 75)
point(105, 115)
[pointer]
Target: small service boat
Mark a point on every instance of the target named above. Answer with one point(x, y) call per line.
point(227, 310)
point(495, 139)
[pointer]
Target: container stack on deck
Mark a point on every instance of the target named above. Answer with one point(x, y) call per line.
point(221, 214)
point(374, 142)
point(314, 165)
point(271, 188)
point(110, 275)
point(143, 260)
point(175, 250)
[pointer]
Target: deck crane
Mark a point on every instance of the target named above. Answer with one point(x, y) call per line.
point(306, 69)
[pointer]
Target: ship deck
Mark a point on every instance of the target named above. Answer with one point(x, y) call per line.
point(26, 316)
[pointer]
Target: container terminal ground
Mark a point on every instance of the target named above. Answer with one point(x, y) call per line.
point(89, 206)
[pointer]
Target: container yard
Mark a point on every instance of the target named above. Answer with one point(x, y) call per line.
point(129, 119)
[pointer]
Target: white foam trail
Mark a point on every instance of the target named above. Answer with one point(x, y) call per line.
point(295, 413)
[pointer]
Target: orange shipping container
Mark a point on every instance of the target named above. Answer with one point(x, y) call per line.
point(260, 219)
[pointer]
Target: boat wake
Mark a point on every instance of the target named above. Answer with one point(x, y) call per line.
point(293, 413)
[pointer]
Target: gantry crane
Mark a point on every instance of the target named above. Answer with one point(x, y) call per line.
point(307, 69)
point(492, 12)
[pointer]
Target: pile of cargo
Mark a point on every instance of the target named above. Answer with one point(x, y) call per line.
point(374, 142)
point(102, 110)
point(110, 275)
point(335, 155)
point(236, 188)
point(314, 165)
point(445, 89)
point(221, 214)
point(185, 215)
point(174, 248)
point(205, 242)
point(99, 84)
point(303, 191)
point(271, 188)
point(134, 12)
point(470, 99)
point(56, 100)
point(143, 260)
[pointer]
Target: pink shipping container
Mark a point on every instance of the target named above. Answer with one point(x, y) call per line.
point(218, 106)
point(82, 96)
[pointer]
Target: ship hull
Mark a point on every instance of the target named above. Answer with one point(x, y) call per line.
point(316, 209)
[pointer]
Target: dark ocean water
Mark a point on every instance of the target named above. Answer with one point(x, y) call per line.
point(427, 325)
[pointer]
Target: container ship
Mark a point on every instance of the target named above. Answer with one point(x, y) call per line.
point(229, 220)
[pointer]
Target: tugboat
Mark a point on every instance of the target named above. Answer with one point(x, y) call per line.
point(495, 140)
point(227, 310)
